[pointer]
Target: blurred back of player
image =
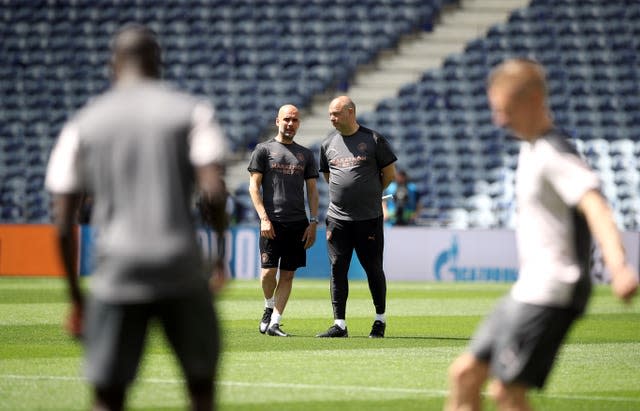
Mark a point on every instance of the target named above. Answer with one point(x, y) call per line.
point(136, 149)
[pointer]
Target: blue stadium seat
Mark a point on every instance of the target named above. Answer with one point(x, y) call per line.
point(227, 51)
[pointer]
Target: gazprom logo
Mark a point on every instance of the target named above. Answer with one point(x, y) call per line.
point(446, 268)
point(446, 258)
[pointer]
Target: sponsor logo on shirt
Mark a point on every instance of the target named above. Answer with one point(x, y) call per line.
point(288, 169)
point(346, 162)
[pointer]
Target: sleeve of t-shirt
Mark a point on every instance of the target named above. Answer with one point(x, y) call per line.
point(258, 161)
point(207, 142)
point(569, 175)
point(310, 168)
point(324, 164)
point(63, 170)
point(384, 154)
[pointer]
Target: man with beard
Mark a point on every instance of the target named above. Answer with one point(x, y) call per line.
point(282, 168)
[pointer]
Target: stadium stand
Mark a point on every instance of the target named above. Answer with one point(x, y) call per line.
point(249, 57)
point(242, 56)
point(591, 51)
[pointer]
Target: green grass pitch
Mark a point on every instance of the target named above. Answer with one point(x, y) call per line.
point(428, 325)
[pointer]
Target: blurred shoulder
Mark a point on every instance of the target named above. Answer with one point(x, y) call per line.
point(558, 141)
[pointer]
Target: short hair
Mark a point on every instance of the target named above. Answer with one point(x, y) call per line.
point(525, 73)
point(350, 105)
point(138, 44)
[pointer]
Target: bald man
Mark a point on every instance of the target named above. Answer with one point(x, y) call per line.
point(136, 149)
point(358, 164)
point(281, 168)
point(559, 208)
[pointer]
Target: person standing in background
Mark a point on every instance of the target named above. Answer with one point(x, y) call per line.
point(358, 164)
point(282, 168)
point(402, 205)
point(138, 149)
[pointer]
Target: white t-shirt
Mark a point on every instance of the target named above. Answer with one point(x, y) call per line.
point(550, 181)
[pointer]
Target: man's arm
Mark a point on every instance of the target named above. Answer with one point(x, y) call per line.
point(385, 211)
point(214, 194)
point(65, 207)
point(213, 202)
point(266, 228)
point(64, 182)
point(387, 175)
point(312, 196)
point(309, 236)
point(602, 225)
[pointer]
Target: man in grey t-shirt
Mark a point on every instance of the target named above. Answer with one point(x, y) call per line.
point(138, 149)
point(282, 168)
point(358, 164)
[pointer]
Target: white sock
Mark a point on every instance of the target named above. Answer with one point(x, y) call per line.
point(269, 302)
point(340, 323)
point(275, 318)
point(380, 317)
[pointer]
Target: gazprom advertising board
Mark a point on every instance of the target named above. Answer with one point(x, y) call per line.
point(450, 255)
point(411, 253)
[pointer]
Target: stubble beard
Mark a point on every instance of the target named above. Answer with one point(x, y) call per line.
point(287, 136)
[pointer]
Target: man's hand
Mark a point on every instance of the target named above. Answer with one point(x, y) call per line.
point(624, 282)
point(309, 236)
point(218, 277)
point(266, 228)
point(75, 320)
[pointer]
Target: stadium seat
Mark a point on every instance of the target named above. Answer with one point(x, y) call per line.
point(228, 51)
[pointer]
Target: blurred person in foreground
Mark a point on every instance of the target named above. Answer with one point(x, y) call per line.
point(280, 170)
point(400, 201)
point(559, 208)
point(138, 149)
point(358, 164)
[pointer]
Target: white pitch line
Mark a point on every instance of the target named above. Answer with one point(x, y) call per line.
point(245, 384)
point(438, 393)
point(430, 393)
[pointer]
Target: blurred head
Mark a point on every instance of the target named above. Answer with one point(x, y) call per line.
point(288, 121)
point(401, 177)
point(342, 114)
point(517, 95)
point(135, 52)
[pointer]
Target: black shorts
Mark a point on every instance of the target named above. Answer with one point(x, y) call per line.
point(286, 250)
point(520, 341)
point(115, 336)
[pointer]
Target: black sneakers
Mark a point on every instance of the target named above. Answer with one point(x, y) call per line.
point(334, 332)
point(275, 331)
point(266, 319)
point(377, 329)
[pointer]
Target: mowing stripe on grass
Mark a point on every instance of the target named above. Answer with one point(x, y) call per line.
point(436, 393)
point(424, 392)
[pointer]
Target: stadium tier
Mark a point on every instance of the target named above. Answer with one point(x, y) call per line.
point(441, 125)
point(250, 57)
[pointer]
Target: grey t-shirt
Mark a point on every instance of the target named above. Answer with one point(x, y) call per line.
point(135, 148)
point(284, 169)
point(354, 163)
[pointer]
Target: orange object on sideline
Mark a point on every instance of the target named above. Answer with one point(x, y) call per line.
point(29, 250)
